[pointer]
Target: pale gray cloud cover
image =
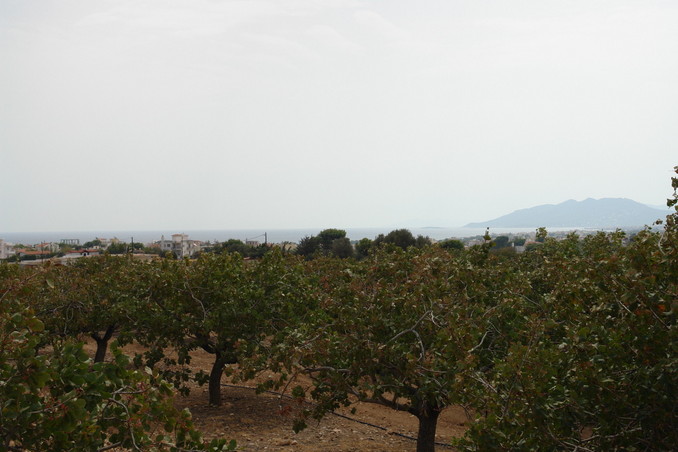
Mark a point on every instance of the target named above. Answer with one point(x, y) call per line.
point(221, 114)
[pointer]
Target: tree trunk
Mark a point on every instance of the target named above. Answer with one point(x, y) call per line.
point(428, 421)
point(215, 380)
point(102, 343)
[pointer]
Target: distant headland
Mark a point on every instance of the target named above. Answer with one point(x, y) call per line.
point(590, 213)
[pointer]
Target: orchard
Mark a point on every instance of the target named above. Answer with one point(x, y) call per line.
point(568, 346)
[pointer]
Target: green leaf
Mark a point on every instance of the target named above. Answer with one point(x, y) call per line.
point(35, 324)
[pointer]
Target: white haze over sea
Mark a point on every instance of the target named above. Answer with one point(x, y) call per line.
point(273, 235)
point(152, 115)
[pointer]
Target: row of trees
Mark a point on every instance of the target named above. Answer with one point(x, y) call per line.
point(334, 243)
point(571, 346)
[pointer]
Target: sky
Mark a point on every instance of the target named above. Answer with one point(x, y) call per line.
point(225, 114)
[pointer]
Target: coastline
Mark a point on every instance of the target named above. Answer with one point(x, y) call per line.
point(274, 235)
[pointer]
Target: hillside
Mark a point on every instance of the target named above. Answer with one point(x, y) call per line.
point(590, 213)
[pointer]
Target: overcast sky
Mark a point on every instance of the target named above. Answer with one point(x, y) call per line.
point(223, 114)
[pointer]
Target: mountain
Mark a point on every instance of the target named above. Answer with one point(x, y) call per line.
point(590, 213)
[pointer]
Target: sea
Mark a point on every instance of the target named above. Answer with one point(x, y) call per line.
point(260, 235)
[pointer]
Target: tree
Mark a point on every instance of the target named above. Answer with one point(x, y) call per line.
point(451, 244)
point(342, 248)
point(328, 236)
point(117, 248)
point(328, 242)
point(401, 238)
point(422, 241)
point(152, 250)
point(393, 329)
point(501, 241)
point(59, 400)
point(362, 248)
point(92, 296)
point(308, 246)
point(226, 306)
point(232, 246)
point(237, 246)
point(92, 243)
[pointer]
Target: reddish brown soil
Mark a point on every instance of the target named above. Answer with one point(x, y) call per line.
point(257, 422)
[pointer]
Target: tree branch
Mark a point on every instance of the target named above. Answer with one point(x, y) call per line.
point(415, 332)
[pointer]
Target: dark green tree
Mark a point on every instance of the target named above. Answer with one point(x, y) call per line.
point(342, 248)
point(231, 246)
point(501, 241)
point(90, 244)
point(308, 246)
point(402, 238)
point(451, 244)
point(117, 248)
point(328, 236)
point(362, 248)
point(519, 241)
point(423, 241)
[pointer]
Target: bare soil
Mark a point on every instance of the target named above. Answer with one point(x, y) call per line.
point(261, 422)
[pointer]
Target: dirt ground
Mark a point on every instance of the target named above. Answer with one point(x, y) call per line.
point(257, 422)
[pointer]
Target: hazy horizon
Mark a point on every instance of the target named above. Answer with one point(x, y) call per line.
point(274, 235)
point(314, 229)
point(297, 114)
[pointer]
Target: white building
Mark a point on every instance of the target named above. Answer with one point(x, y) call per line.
point(106, 242)
point(6, 249)
point(180, 245)
point(50, 247)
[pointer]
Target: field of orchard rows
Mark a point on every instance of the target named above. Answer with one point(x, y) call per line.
point(570, 346)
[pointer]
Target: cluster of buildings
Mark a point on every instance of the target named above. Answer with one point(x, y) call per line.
point(179, 244)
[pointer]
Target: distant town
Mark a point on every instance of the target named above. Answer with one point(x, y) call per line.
point(180, 246)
